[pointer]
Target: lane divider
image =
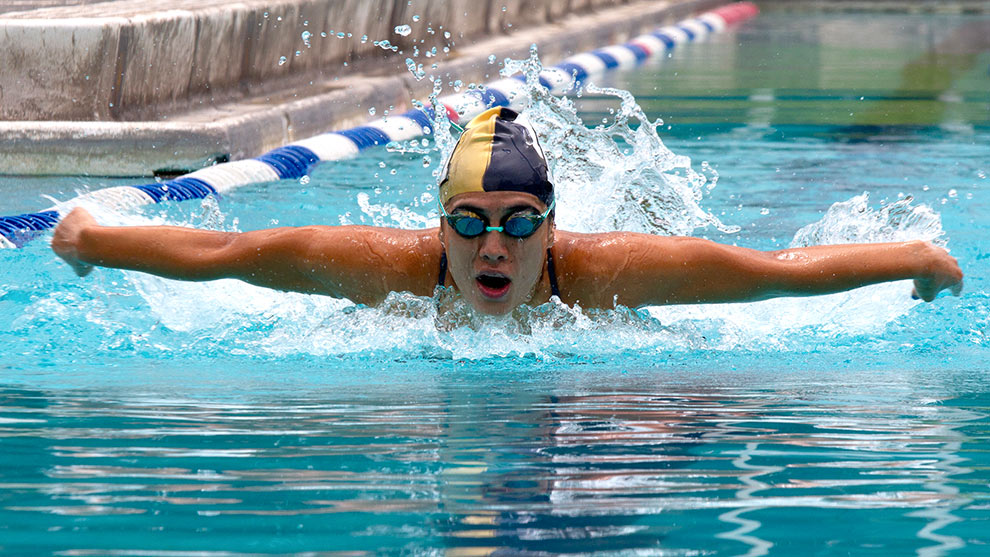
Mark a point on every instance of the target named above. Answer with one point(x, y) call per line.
point(295, 160)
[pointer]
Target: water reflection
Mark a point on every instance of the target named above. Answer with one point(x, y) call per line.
point(636, 465)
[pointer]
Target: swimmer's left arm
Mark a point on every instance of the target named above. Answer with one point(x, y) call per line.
point(664, 270)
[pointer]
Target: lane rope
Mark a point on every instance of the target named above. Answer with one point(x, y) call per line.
point(295, 160)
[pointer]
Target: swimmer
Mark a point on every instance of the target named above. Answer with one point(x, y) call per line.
point(498, 247)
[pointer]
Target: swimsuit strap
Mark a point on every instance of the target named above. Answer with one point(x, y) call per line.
point(554, 288)
point(442, 279)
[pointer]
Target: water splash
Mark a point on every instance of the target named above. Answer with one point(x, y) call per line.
point(854, 221)
point(618, 175)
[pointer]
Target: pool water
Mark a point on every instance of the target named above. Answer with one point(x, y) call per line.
point(142, 416)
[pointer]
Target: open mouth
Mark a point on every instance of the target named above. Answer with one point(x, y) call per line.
point(493, 286)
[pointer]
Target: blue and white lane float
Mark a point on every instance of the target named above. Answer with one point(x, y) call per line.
point(293, 161)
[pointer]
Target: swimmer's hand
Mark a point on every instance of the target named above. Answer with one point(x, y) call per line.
point(941, 272)
point(65, 242)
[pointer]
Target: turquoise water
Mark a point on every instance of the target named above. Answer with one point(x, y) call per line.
point(142, 416)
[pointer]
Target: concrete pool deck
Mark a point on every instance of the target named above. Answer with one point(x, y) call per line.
point(118, 88)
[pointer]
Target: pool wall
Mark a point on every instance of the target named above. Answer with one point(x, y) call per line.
point(123, 89)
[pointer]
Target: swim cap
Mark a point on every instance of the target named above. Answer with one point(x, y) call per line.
point(498, 151)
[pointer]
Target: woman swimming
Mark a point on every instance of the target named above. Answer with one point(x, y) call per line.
point(498, 247)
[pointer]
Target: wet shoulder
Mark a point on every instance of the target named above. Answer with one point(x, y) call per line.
point(403, 260)
point(591, 267)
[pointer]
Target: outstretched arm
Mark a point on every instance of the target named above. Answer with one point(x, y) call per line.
point(360, 263)
point(662, 270)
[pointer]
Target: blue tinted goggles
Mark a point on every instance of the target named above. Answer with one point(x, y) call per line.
point(516, 225)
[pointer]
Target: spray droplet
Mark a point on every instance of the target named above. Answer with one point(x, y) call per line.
point(403, 30)
point(364, 39)
point(415, 18)
point(282, 60)
point(491, 58)
point(304, 180)
point(305, 38)
point(371, 111)
point(953, 193)
point(764, 211)
point(426, 161)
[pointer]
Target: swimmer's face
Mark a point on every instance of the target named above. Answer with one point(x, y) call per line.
point(496, 272)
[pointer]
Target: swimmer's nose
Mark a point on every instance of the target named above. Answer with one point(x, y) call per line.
point(493, 247)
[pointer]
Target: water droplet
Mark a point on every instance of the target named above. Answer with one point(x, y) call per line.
point(282, 60)
point(304, 180)
point(323, 34)
point(298, 53)
point(491, 58)
point(764, 211)
point(364, 39)
point(341, 35)
point(305, 38)
point(415, 18)
point(392, 172)
point(504, 9)
point(403, 30)
point(371, 111)
point(381, 164)
point(426, 161)
point(446, 34)
point(953, 193)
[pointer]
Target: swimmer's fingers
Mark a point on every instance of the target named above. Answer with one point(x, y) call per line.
point(943, 274)
point(81, 269)
point(956, 289)
point(66, 238)
point(927, 290)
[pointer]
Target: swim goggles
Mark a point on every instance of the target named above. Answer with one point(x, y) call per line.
point(515, 225)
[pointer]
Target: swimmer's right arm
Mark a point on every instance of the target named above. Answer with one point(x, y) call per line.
point(359, 263)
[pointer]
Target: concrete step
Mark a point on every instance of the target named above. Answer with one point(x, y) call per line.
point(124, 88)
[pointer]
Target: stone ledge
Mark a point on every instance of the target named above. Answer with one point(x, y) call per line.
point(251, 126)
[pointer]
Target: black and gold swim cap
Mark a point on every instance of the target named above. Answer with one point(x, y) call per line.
point(498, 151)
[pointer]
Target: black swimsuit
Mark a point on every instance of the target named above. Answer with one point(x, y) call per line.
point(554, 289)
